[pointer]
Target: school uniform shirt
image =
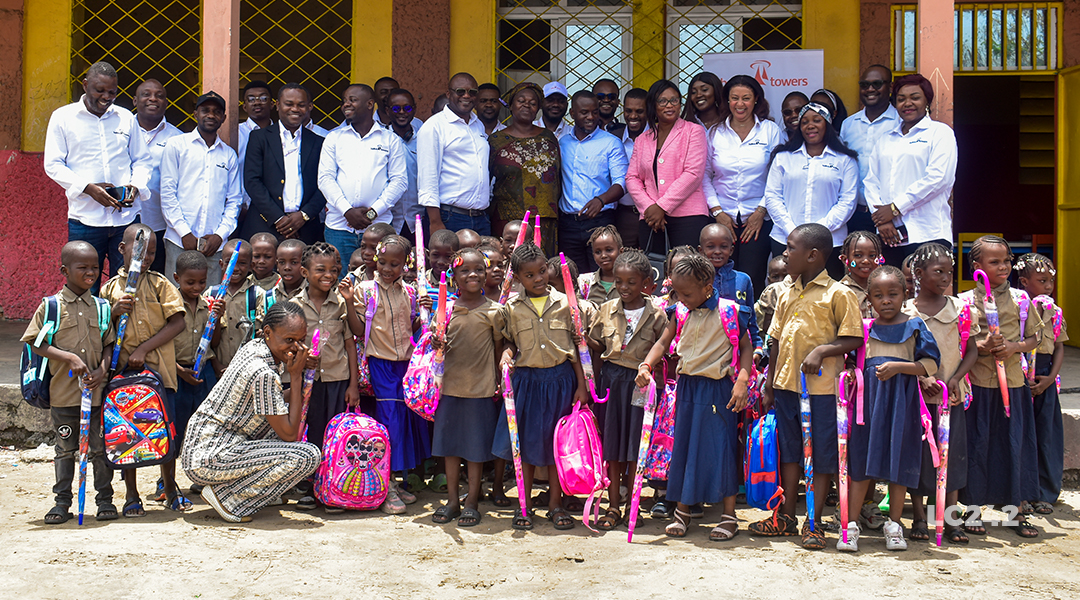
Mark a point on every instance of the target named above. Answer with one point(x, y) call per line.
point(236, 312)
point(406, 209)
point(596, 290)
point(765, 306)
point(736, 169)
point(470, 364)
point(333, 326)
point(916, 172)
point(452, 162)
point(589, 168)
point(81, 148)
point(155, 301)
point(861, 135)
point(361, 171)
point(267, 283)
point(543, 339)
point(943, 326)
point(77, 332)
point(562, 130)
point(280, 295)
point(186, 344)
point(807, 316)
point(610, 327)
point(865, 308)
point(200, 188)
point(391, 327)
point(704, 348)
point(154, 139)
point(984, 373)
point(1047, 341)
point(811, 189)
point(919, 347)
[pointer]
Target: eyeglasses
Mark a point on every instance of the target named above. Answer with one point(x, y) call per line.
point(668, 101)
point(263, 98)
point(607, 97)
point(790, 112)
point(471, 92)
point(877, 84)
point(401, 109)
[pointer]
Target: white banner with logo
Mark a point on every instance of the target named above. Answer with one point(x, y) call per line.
point(779, 72)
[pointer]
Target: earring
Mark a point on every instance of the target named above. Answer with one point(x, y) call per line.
point(880, 260)
point(852, 264)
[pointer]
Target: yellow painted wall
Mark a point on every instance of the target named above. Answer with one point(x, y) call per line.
point(472, 38)
point(46, 66)
point(1068, 194)
point(372, 40)
point(649, 34)
point(833, 26)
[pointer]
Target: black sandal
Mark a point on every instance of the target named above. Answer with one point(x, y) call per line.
point(444, 514)
point(976, 528)
point(499, 500)
point(1026, 530)
point(612, 518)
point(956, 536)
point(561, 518)
point(920, 531)
point(470, 517)
point(523, 522)
point(58, 515)
point(106, 512)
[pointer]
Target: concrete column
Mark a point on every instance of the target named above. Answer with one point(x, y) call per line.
point(935, 54)
point(221, 59)
point(372, 40)
point(833, 26)
point(472, 40)
point(46, 66)
point(649, 42)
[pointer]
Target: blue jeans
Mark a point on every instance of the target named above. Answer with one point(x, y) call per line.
point(346, 243)
point(106, 240)
point(457, 221)
point(574, 235)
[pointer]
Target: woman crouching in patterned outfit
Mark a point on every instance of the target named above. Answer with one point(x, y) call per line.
point(241, 441)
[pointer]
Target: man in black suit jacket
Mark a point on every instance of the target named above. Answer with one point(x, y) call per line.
point(281, 172)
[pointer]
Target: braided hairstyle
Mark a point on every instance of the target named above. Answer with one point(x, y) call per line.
point(885, 271)
point(854, 237)
point(403, 243)
point(977, 247)
point(1032, 263)
point(281, 312)
point(527, 252)
point(669, 261)
point(922, 256)
point(635, 259)
point(600, 232)
point(318, 249)
point(696, 266)
point(459, 258)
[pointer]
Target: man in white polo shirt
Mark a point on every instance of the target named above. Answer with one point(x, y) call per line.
point(200, 189)
point(95, 152)
point(452, 180)
point(362, 173)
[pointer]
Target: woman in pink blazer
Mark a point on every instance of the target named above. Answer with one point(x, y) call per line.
point(665, 173)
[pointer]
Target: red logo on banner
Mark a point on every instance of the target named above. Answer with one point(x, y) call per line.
point(760, 73)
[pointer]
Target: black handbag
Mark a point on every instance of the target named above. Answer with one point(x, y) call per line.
point(657, 259)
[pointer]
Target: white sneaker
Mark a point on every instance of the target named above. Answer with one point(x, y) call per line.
point(852, 544)
point(870, 516)
point(894, 536)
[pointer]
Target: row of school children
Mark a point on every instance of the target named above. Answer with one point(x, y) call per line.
point(812, 325)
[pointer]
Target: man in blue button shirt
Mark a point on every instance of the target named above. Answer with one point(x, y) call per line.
point(593, 175)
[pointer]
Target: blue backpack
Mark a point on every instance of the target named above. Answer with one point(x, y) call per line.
point(762, 464)
point(33, 368)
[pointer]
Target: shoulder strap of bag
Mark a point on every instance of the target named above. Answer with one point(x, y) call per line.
point(729, 319)
point(860, 366)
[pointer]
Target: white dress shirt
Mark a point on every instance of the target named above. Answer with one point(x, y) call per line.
point(563, 128)
point(861, 135)
point(82, 148)
point(200, 188)
point(293, 192)
point(243, 133)
point(311, 126)
point(406, 209)
point(736, 169)
point(916, 172)
point(628, 148)
point(150, 212)
point(452, 162)
point(361, 171)
point(811, 189)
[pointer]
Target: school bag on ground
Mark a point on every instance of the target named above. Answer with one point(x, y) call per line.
point(762, 464)
point(34, 375)
point(355, 469)
point(579, 459)
point(139, 429)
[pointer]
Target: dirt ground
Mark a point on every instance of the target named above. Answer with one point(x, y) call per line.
point(287, 553)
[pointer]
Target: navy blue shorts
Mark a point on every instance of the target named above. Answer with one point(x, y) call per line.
point(822, 427)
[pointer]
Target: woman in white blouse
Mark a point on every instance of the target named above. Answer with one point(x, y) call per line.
point(812, 179)
point(911, 176)
point(739, 149)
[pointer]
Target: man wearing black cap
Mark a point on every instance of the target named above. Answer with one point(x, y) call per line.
point(200, 189)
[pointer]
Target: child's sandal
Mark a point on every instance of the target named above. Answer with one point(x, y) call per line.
point(611, 519)
point(727, 529)
point(58, 515)
point(677, 529)
point(813, 540)
point(523, 522)
point(920, 531)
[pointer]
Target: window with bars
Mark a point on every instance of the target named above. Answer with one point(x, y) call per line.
point(303, 41)
point(580, 41)
point(144, 40)
point(1008, 37)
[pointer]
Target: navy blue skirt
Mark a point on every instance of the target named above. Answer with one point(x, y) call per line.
point(187, 400)
point(705, 453)
point(894, 442)
point(465, 427)
point(826, 452)
point(958, 455)
point(541, 398)
point(621, 422)
point(410, 435)
point(1002, 451)
point(1050, 435)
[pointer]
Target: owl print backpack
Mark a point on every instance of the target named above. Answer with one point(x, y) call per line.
point(355, 470)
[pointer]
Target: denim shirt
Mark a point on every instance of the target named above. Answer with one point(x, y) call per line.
point(736, 286)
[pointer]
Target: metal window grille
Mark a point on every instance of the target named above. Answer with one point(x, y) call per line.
point(303, 41)
point(580, 41)
point(1008, 37)
point(144, 39)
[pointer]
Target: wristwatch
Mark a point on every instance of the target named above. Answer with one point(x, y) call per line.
point(305, 217)
point(371, 214)
point(895, 211)
point(715, 211)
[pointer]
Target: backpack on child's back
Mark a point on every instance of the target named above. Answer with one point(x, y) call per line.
point(33, 368)
point(355, 469)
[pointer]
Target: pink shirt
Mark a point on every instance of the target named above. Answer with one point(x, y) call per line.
point(679, 171)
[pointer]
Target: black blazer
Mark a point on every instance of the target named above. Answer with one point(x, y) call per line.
point(264, 182)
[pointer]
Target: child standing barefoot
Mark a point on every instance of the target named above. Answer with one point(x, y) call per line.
point(705, 455)
point(466, 417)
point(900, 349)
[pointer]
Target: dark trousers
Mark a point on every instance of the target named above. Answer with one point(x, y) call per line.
point(106, 240)
point(187, 400)
point(455, 221)
point(158, 266)
point(626, 221)
point(752, 257)
point(895, 255)
point(574, 232)
point(833, 264)
point(681, 231)
point(327, 401)
point(66, 425)
point(861, 220)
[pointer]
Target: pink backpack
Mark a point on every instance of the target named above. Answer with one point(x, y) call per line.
point(422, 385)
point(579, 459)
point(355, 470)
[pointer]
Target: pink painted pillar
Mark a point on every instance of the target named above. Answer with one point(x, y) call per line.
point(935, 54)
point(221, 58)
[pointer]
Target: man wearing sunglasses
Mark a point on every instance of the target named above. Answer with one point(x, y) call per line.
point(862, 130)
point(383, 87)
point(553, 109)
point(489, 107)
point(607, 98)
point(452, 179)
point(402, 106)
